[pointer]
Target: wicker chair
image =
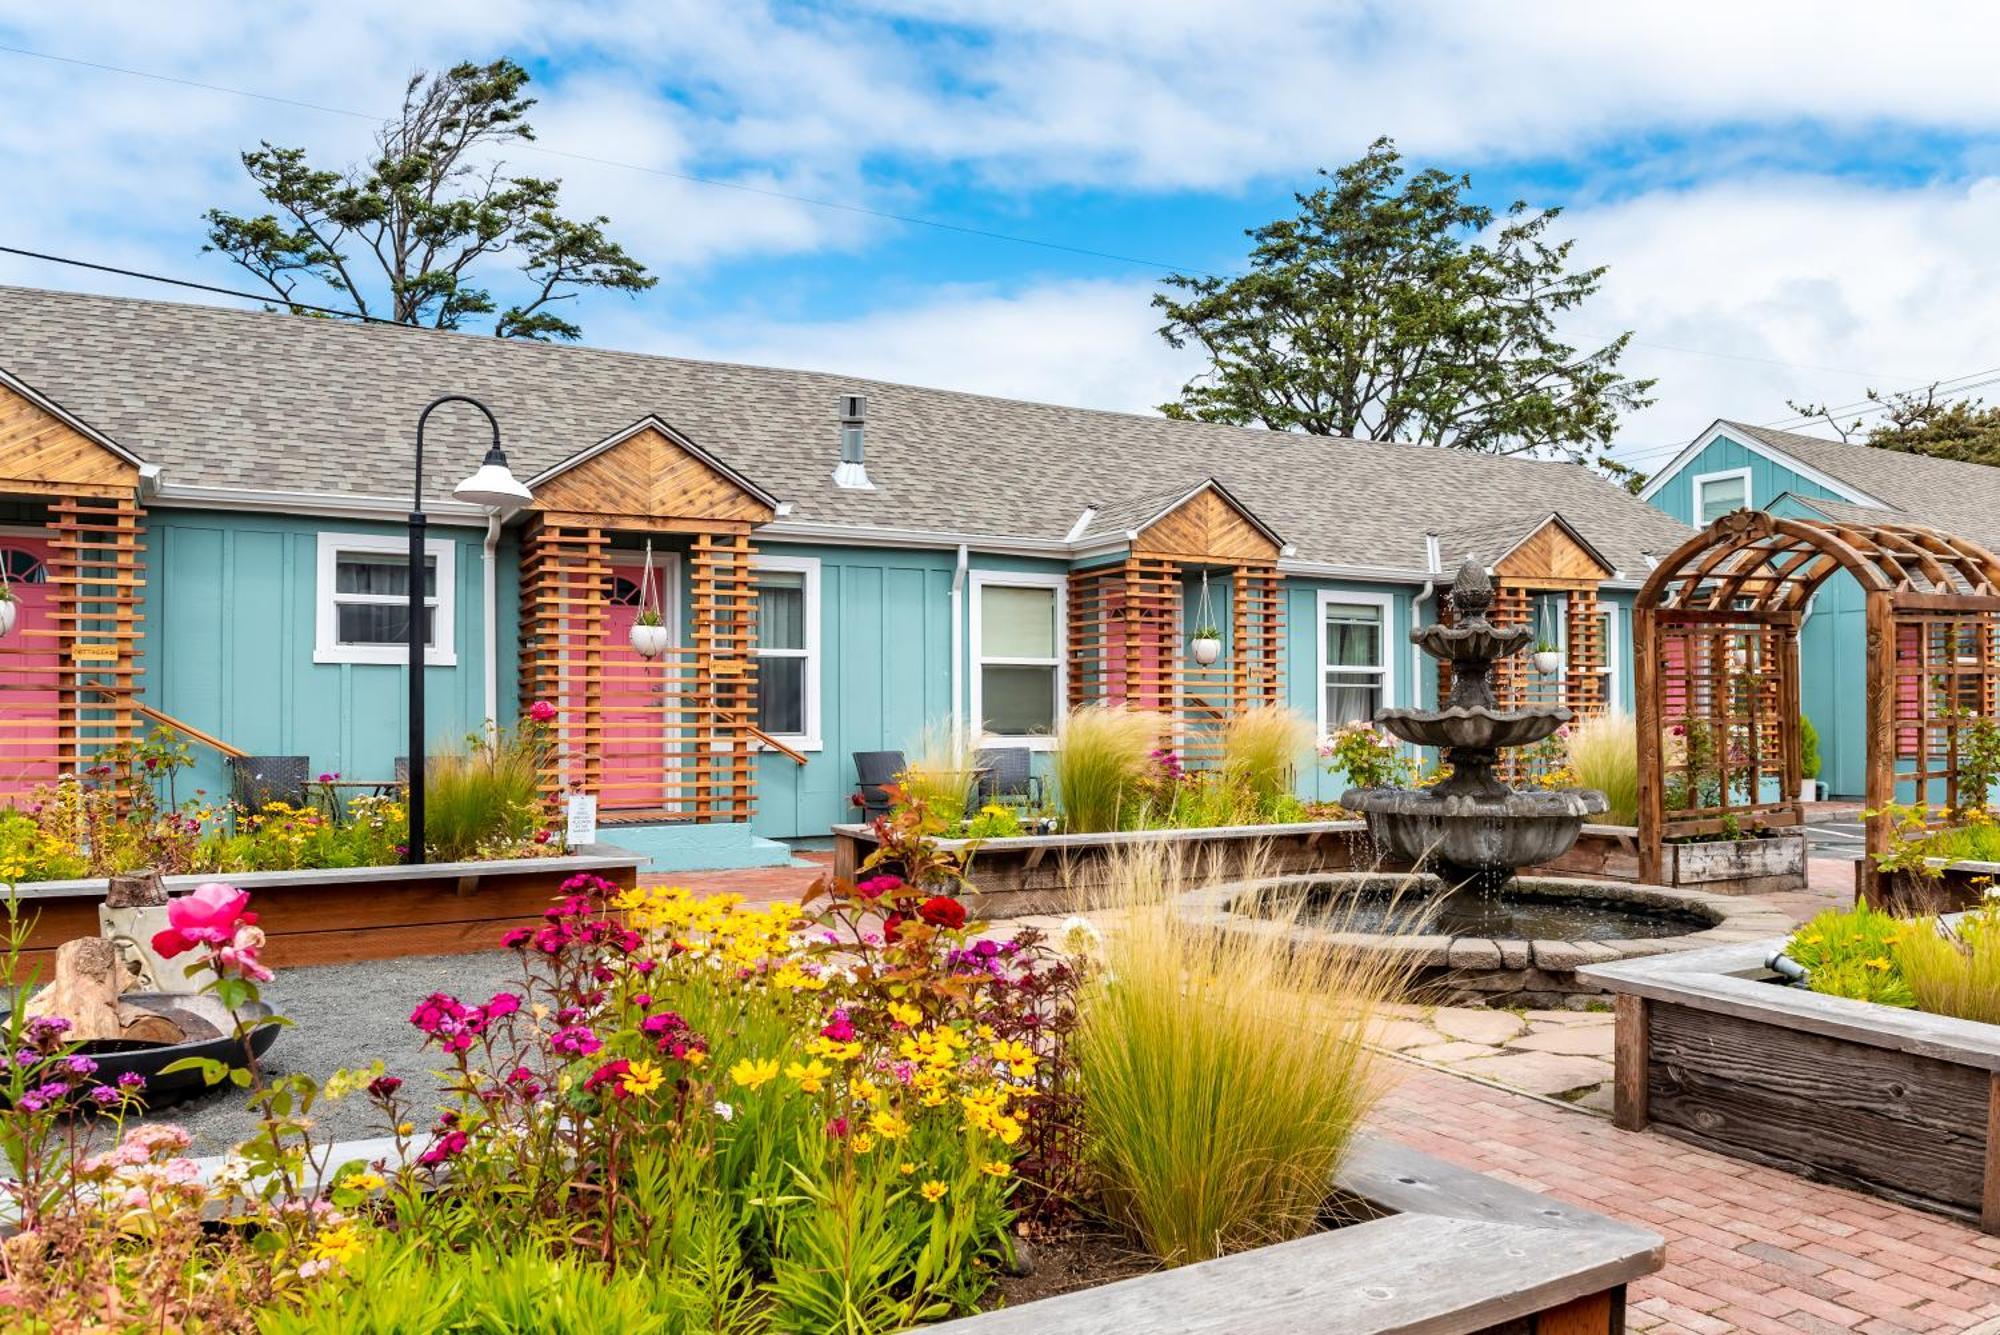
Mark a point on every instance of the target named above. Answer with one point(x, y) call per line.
point(257, 781)
point(1007, 776)
point(874, 771)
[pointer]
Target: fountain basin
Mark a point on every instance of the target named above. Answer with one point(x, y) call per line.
point(1519, 947)
point(1491, 835)
point(214, 1040)
point(1473, 726)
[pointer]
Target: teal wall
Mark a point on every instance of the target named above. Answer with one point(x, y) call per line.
point(1831, 643)
point(1301, 668)
point(230, 614)
point(1768, 480)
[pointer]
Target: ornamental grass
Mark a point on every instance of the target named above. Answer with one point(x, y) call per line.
point(1103, 758)
point(1261, 747)
point(940, 769)
point(1604, 754)
point(1954, 971)
point(484, 795)
point(1224, 1072)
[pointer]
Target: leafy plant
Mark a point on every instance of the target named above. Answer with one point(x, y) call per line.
point(1808, 748)
point(486, 796)
point(1205, 633)
point(1603, 753)
point(942, 765)
point(1261, 746)
point(648, 616)
point(993, 821)
point(1223, 1072)
point(1103, 755)
point(1851, 953)
point(1367, 757)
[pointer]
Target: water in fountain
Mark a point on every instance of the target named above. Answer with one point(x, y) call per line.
point(1473, 829)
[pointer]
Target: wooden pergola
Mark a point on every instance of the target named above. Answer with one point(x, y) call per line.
point(71, 675)
point(1130, 620)
point(1715, 647)
point(673, 738)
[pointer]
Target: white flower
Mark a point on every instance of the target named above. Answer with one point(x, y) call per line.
point(1079, 936)
point(724, 1111)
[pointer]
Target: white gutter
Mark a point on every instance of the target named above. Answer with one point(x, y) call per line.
point(958, 640)
point(490, 589)
point(320, 504)
point(1082, 524)
point(1433, 557)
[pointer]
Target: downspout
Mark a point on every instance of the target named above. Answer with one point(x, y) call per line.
point(490, 591)
point(1434, 562)
point(958, 640)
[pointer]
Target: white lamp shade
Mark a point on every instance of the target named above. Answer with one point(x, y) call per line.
point(493, 486)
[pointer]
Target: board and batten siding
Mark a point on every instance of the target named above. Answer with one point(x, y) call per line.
point(1768, 480)
point(1302, 666)
point(230, 607)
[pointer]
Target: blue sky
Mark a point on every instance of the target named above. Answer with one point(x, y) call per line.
point(1794, 200)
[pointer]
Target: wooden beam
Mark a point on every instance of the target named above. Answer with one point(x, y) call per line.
point(1630, 1062)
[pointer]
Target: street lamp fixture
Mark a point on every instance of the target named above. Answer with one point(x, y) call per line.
point(494, 487)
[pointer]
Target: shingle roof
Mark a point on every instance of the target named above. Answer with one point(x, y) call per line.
point(245, 399)
point(1945, 494)
point(1491, 542)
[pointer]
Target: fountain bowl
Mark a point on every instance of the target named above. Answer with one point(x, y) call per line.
point(1490, 835)
point(1475, 726)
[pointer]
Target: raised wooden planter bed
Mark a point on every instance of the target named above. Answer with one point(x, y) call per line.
point(356, 913)
point(1059, 873)
point(1899, 1103)
point(1443, 1251)
point(1732, 867)
point(1957, 887)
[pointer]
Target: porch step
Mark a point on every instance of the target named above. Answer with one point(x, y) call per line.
point(681, 845)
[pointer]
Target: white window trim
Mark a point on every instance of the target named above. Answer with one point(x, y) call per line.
point(442, 652)
point(1614, 648)
point(1390, 686)
point(983, 580)
point(1701, 480)
point(810, 739)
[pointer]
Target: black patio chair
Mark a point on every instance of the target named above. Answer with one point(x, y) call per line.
point(257, 781)
point(874, 771)
point(1006, 775)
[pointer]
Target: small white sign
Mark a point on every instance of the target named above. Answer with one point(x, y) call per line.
point(582, 821)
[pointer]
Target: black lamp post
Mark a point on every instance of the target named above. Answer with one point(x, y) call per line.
point(492, 486)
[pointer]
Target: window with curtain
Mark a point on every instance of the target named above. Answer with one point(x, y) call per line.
point(784, 653)
point(363, 596)
point(1357, 667)
point(1019, 667)
point(1715, 497)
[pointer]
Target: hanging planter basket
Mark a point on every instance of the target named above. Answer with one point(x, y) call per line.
point(1206, 643)
point(1206, 649)
point(10, 611)
point(1548, 662)
point(649, 634)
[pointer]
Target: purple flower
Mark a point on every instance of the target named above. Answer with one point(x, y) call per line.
point(79, 1065)
point(131, 1080)
point(576, 1040)
point(105, 1096)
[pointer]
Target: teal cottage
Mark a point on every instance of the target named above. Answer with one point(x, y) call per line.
point(204, 524)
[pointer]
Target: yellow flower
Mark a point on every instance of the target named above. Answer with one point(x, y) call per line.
point(406, 1128)
point(906, 1168)
point(339, 1244)
point(985, 1031)
point(834, 1048)
point(997, 1168)
point(642, 1077)
point(1018, 1057)
point(889, 1126)
point(933, 1191)
point(365, 1182)
point(904, 1013)
point(750, 1073)
point(863, 1142)
point(1878, 963)
point(810, 1077)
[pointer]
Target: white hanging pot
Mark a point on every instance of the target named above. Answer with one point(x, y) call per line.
point(1206, 649)
point(9, 610)
point(1548, 662)
point(648, 641)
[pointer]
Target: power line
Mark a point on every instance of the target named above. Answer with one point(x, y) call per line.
point(843, 206)
point(199, 287)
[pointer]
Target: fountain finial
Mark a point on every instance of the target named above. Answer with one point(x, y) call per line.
point(1472, 590)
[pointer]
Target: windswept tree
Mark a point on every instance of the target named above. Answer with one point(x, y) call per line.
point(1392, 307)
point(1919, 422)
point(415, 234)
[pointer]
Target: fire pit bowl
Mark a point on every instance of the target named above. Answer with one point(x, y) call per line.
point(197, 1012)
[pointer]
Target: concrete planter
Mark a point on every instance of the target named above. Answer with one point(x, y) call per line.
point(1060, 873)
point(357, 913)
point(1712, 1050)
point(1735, 867)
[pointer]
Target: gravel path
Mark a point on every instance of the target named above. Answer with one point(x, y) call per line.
point(347, 1015)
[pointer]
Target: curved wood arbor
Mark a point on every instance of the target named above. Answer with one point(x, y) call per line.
point(1715, 649)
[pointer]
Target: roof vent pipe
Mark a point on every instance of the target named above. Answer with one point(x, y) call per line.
point(1082, 524)
point(853, 470)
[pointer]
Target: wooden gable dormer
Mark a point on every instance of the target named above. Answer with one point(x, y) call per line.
point(659, 479)
point(46, 451)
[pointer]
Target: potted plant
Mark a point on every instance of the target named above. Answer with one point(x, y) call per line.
point(1206, 645)
point(649, 633)
point(1548, 659)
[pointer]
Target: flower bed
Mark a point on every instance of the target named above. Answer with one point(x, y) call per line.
point(1713, 1049)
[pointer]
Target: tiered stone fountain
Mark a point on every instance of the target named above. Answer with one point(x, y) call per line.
point(1471, 828)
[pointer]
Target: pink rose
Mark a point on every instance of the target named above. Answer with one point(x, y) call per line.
point(209, 914)
point(541, 711)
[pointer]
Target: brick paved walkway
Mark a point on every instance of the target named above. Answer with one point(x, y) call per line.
point(1748, 1248)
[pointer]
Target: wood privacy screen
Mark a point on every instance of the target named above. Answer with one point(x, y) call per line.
point(1715, 653)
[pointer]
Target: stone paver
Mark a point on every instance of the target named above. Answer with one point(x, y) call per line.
point(1539, 1072)
point(1748, 1248)
point(1492, 1028)
point(1574, 1040)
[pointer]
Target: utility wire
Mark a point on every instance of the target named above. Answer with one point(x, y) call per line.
point(199, 287)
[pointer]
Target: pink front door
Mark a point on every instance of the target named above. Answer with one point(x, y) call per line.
point(636, 700)
point(29, 660)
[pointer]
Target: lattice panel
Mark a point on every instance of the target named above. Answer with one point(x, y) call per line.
point(97, 570)
point(722, 601)
point(565, 596)
point(1723, 693)
point(1945, 676)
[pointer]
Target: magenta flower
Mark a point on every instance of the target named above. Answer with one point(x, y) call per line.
point(541, 711)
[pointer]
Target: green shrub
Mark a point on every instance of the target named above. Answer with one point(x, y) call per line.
point(1223, 1073)
point(1851, 953)
point(1604, 754)
point(1808, 748)
point(483, 796)
point(1102, 755)
point(1261, 746)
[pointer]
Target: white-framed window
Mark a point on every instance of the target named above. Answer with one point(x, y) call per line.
point(1614, 647)
point(788, 648)
point(363, 600)
point(1716, 494)
point(1355, 678)
point(1017, 661)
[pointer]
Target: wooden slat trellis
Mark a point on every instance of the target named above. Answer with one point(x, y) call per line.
point(96, 567)
point(1715, 652)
